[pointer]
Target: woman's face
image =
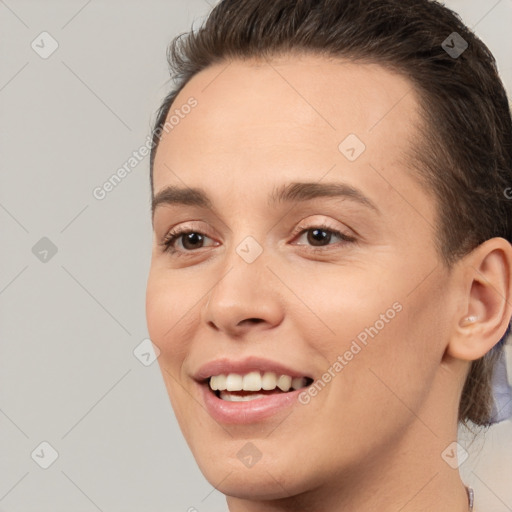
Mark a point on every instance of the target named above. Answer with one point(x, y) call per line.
point(338, 286)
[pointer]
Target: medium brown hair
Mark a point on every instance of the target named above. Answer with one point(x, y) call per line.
point(464, 151)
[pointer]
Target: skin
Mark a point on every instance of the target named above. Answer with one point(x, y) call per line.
point(372, 439)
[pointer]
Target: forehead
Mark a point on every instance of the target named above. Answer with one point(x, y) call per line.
point(271, 122)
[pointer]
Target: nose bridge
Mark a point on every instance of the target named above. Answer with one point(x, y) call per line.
point(243, 273)
point(244, 290)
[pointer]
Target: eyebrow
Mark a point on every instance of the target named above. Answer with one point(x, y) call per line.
point(287, 193)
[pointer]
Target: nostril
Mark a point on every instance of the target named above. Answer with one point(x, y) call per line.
point(252, 320)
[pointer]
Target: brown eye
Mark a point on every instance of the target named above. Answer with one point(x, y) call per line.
point(321, 236)
point(192, 240)
point(318, 237)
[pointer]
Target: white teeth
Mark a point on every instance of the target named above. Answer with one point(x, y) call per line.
point(218, 382)
point(234, 382)
point(239, 398)
point(269, 381)
point(255, 381)
point(252, 381)
point(284, 382)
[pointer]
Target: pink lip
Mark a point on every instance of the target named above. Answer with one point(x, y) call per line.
point(253, 411)
point(246, 365)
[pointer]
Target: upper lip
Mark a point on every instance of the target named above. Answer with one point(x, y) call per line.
point(243, 366)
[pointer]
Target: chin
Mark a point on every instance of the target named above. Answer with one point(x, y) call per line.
point(232, 465)
point(260, 482)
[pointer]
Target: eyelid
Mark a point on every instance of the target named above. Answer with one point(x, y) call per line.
point(327, 224)
point(191, 225)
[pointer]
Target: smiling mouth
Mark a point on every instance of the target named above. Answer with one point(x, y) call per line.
point(234, 387)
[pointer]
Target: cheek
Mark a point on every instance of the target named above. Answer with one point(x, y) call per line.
point(384, 334)
point(164, 308)
point(167, 307)
point(158, 301)
point(342, 303)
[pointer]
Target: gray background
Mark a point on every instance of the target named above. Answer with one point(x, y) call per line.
point(69, 324)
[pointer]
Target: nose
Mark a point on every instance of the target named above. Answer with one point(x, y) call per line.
point(246, 297)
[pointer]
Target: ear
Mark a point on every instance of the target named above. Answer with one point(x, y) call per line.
point(485, 300)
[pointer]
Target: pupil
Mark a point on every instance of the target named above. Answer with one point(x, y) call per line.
point(192, 238)
point(319, 236)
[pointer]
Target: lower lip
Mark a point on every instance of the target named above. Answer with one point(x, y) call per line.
point(252, 411)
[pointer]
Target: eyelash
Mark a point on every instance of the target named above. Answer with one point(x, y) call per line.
point(172, 236)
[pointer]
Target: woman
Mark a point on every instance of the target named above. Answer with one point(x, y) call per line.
point(330, 285)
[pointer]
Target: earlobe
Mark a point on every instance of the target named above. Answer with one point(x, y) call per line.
point(486, 284)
